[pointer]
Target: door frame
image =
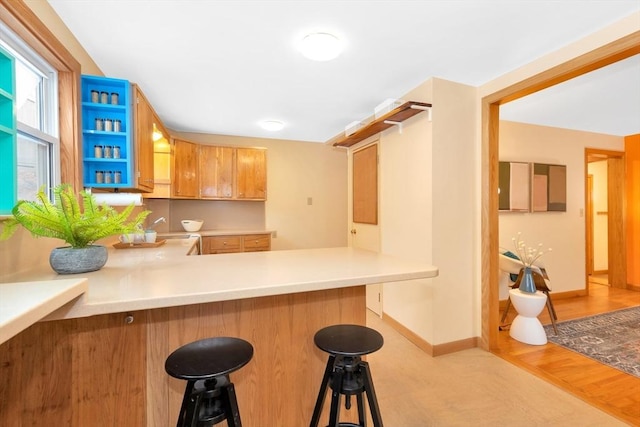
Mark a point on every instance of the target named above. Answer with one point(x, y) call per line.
point(616, 239)
point(607, 54)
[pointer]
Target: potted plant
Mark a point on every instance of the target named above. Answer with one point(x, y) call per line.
point(79, 225)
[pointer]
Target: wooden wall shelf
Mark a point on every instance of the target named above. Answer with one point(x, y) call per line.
point(397, 115)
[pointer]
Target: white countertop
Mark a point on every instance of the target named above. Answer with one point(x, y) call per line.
point(138, 279)
point(23, 304)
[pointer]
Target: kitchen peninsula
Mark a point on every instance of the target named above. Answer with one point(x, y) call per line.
point(101, 356)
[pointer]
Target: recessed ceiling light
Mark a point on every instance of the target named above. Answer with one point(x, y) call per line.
point(320, 46)
point(271, 125)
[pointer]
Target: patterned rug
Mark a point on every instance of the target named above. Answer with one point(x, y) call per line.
point(610, 338)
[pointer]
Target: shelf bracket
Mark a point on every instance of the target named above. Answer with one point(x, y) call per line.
point(391, 122)
point(423, 108)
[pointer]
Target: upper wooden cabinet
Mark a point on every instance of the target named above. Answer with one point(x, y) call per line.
point(217, 166)
point(143, 118)
point(251, 174)
point(212, 172)
point(185, 170)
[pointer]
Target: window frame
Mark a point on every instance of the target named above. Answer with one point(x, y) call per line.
point(22, 20)
point(47, 105)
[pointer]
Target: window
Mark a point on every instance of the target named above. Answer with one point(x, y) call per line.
point(36, 107)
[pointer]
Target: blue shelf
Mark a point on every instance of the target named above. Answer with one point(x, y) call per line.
point(91, 137)
point(8, 142)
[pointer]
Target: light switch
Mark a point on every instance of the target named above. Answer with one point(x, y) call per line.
point(309, 201)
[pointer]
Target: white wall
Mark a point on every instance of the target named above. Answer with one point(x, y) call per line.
point(600, 222)
point(564, 232)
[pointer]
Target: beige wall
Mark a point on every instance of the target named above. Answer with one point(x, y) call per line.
point(564, 232)
point(426, 196)
point(48, 16)
point(297, 171)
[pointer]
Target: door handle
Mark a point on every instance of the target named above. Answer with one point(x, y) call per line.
point(353, 231)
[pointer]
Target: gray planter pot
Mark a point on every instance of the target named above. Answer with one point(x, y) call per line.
point(68, 260)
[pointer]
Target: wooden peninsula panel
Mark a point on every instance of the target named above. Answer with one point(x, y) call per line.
point(103, 370)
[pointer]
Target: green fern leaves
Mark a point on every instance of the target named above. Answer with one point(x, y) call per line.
point(66, 219)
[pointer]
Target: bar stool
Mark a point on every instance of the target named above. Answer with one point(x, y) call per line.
point(346, 373)
point(209, 396)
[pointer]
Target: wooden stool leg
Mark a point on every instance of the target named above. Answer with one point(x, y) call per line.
point(334, 417)
point(371, 395)
point(317, 411)
point(552, 313)
point(188, 416)
point(506, 310)
point(231, 406)
point(362, 416)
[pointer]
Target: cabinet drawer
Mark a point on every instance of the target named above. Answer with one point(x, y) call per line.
point(224, 243)
point(256, 242)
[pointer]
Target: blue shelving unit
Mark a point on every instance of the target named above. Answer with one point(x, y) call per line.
point(117, 160)
point(8, 141)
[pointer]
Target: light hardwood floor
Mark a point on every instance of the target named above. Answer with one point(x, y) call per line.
point(470, 387)
point(603, 387)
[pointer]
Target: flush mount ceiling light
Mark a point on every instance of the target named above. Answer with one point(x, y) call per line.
point(271, 125)
point(320, 46)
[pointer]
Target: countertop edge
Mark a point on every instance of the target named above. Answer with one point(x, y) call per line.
point(70, 289)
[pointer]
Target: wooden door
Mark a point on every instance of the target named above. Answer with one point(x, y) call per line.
point(143, 137)
point(365, 185)
point(185, 171)
point(216, 172)
point(251, 173)
point(615, 218)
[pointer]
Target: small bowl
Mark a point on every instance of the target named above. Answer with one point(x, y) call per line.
point(192, 224)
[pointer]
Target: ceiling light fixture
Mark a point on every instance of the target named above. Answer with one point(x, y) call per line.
point(320, 46)
point(272, 125)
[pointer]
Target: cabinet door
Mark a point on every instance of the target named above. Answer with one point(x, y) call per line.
point(216, 172)
point(185, 179)
point(143, 140)
point(251, 173)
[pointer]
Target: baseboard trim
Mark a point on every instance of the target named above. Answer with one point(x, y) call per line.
point(424, 345)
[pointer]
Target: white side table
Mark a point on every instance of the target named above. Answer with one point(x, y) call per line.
point(526, 327)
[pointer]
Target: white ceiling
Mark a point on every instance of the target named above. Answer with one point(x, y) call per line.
point(220, 67)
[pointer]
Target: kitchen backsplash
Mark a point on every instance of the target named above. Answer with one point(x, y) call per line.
point(217, 215)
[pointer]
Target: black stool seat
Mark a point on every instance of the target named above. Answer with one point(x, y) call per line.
point(348, 340)
point(209, 358)
point(209, 396)
point(346, 373)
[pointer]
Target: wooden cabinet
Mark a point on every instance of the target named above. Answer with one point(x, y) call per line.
point(221, 244)
point(236, 243)
point(143, 118)
point(185, 170)
point(251, 174)
point(212, 172)
point(216, 172)
point(256, 242)
point(117, 135)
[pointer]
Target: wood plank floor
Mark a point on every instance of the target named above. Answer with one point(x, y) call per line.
point(606, 388)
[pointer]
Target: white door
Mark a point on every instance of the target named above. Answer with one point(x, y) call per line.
point(366, 235)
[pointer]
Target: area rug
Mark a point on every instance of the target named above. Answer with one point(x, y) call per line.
point(610, 338)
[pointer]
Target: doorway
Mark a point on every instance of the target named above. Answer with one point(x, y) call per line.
point(604, 228)
point(604, 55)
